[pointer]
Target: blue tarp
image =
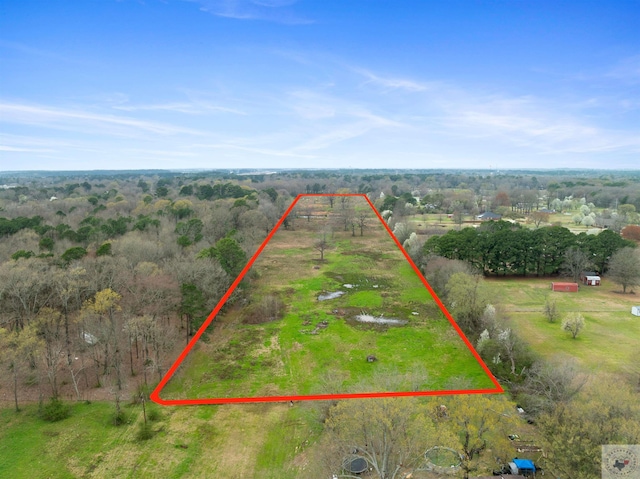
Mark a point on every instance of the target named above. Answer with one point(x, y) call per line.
point(524, 465)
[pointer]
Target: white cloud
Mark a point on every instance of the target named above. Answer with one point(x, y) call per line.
point(85, 121)
point(277, 11)
point(180, 107)
point(534, 124)
point(22, 150)
point(395, 83)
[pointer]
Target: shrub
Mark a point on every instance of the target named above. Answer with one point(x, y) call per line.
point(46, 243)
point(573, 323)
point(145, 432)
point(551, 310)
point(270, 308)
point(104, 250)
point(55, 410)
point(118, 418)
point(153, 414)
point(22, 254)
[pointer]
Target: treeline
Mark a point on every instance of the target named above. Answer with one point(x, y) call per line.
point(503, 248)
point(102, 284)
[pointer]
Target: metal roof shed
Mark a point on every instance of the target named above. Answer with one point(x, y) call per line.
point(564, 287)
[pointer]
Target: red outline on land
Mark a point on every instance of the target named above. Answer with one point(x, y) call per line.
point(155, 395)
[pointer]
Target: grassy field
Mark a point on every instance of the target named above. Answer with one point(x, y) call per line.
point(237, 441)
point(609, 341)
point(442, 221)
point(319, 346)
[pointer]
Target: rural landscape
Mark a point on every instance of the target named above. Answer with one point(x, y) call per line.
point(320, 239)
point(107, 276)
point(322, 302)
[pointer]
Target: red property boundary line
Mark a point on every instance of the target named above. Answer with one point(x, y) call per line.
point(155, 395)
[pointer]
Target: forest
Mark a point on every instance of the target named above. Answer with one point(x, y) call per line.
point(107, 275)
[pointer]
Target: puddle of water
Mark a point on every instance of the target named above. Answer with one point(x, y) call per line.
point(334, 295)
point(367, 318)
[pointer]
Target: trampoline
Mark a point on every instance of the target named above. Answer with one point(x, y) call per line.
point(355, 465)
point(442, 459)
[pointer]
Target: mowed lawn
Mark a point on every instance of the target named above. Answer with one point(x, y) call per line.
point(610, 340)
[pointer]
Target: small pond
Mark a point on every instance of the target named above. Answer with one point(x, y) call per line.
point(367, 318)
point(333, 295)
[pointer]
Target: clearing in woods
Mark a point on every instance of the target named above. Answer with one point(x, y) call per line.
point(358, 321)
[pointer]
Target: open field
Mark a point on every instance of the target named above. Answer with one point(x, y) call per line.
point(261, 441)
point(320, 347)
point(441, 221)
point(198, 442)
point(611, 335)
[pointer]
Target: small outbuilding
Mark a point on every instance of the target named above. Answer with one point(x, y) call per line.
point(525, 467)
point(635, 310)
point(564, 287)
point(591, 280)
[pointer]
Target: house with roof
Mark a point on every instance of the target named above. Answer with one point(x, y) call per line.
point(488, 216)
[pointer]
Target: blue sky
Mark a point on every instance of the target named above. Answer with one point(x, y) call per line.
point(107, 84)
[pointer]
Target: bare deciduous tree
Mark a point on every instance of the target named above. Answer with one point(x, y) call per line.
point(391, 434)
point(575, 262)
point(322, 243)
point(624, 268)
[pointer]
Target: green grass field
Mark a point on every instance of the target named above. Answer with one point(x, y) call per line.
point(319, 342)
point(198, 442)
point(609, 341)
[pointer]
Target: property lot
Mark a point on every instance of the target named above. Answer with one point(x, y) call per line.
point(609, 341)
point(309, 324)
